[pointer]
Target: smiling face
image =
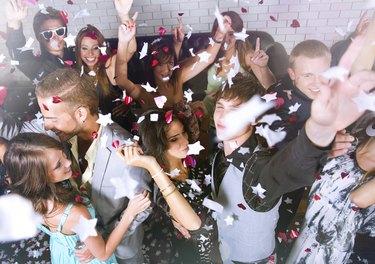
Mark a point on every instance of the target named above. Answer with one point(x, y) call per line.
point(305, 74)
point(90, 52)
point(60, 118)
point(58, 165)
point(163, 70)
point(55, 44)
point(177, 140)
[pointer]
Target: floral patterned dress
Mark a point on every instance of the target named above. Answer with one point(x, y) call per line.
point(332, 220)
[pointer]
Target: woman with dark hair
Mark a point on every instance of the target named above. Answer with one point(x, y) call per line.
point(165, 139)
point(165, 77)
point(94, 58)
point(38, 170)
point(338, 205)
point(50, 28)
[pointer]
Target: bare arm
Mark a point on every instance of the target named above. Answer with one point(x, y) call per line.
point(178, 37)
point(101, 249)
point(364, 196)
point(180, 209)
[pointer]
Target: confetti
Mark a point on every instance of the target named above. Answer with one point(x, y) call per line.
point(3, 94)
point(56, 99)
point(85, 228)
point(162, 31)
point(272, 137)
point(316, 197)
point(70, 40)
point(244, 10)
point(188, 95)
point(154, 117)
point(269, 97)
point(295, 23)
point(220, 20)
point(335, 72)
point(115, 144)
point(143, 52)
point(189, 162)
point(160, 101)
point(81, 13)
point(148, 88)
point(154, 62)
point(213, 205)
point(17, 224)
point(104, 120)
point(273, 18)
point(240, 205)
point(195, 148)
point(294, 108)
point(241, 35)
point(365, 101)
point(229, 220)
point(168, 116)
point(64, 16)
point(258, 190)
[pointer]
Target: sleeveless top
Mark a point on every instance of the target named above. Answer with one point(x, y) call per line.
point(62, 246)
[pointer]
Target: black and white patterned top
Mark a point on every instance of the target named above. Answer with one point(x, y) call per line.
point(332, 220)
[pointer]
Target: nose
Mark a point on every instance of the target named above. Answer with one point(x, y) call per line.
point(91, 52)
point(68, 163)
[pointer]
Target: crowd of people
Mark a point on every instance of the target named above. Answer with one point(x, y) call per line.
point(135, 172)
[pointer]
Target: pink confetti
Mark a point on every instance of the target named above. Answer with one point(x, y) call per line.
point(273, 18)
point(279, 102)
point(295, 24)
point(75, 175)
point(78, 199)
point(162, 31)
point(69, 2)
point(168, 116)
point(3, 94)
point(116, 144)
point(64, 16)
point(292, 118)
point(316, 197)
point(154, 63)
point(198, 113)
point(134, 126)
point(308, 250)
point(45, 107)
point(128, 100)
point(355, 208)
point(283, 236)
point(166, 49)
point(271, 259)
point(260, 2)
point(344, 175)
point(293, 234)
point(189, 162)
point(56, 99)
point(240, 205)
point(318, 177)
point(180, 14)
point(94, 135)
point(68, 63)
point(244, 10)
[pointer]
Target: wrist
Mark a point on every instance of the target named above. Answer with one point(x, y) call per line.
point(217, 41)
point(124, 18)
point(15, 24)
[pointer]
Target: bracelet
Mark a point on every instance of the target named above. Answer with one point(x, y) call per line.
point(217, 41)
point(169, 185)
point(165, 196)
point(156, 174)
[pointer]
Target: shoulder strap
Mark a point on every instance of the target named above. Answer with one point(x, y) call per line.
point(44, 229)
point(65, 215)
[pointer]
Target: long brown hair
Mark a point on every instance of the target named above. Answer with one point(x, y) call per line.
point(101, 74)
point(26, 165)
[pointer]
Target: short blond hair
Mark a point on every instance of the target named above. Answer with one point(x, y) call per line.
point(309, 48)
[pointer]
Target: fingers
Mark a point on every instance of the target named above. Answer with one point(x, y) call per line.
point(257, 44)
point(135, 16)
point(365, 80)
point(180, 25)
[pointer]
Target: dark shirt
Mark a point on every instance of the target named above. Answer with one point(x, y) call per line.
point(32, 66)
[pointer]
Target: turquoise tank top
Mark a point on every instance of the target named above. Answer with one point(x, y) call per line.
point(62, 246)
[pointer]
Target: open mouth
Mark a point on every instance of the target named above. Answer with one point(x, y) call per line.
point(90, 59)
point(165, 78)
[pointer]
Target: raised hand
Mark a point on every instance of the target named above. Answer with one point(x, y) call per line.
point(132, 155)
point(138, 204)
point(259, 57)
point(178, 32)
point(362, 25)
point(123, 8)
point(16, 11)
point(127, 30)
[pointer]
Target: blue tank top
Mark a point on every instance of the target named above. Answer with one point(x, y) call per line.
point(62, 246)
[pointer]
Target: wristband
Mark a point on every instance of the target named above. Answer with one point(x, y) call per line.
point(217, 41)
point(165, 196)
point(156, 174)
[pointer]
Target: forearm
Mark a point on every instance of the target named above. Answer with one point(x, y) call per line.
point(177, 48)
point(320, 136)
point(364, 196)
point(265, 76)
point(180, 209)
point(121, 68)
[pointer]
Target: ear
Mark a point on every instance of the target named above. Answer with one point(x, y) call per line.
point(81, 113)
point(292, 74)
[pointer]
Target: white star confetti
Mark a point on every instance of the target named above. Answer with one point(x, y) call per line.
point(258, 190)
point(160, 101)
point(365, 101)
point(191, 52)
point(243, 116)
point(174, 173)
point(70, 40)
point(92, 73)
point(149, 88)
point(85, 228)
point(294, 108)
point(195, 148)
point(81, 13)
point(188, 95)
point(241, 35)
point(103, 50)
point(143, 52)
point(140, 119)
point(2, 58)
point(243, 150)
point(269, 119)
point(211, 41)
point(229, 220)
point(193, 185)
point(207, 179)
point(203, 56)
point(17, 224)
point(288, 200)
point(335, 72)
point(14, 63)
point(272, 137)
point(104, 120)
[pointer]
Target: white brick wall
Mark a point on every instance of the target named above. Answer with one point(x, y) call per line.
point(318, 18)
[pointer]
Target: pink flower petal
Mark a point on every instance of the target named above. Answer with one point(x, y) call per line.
point(295, 24)
point(56, 99)
point(168, 116)
point(273, 18)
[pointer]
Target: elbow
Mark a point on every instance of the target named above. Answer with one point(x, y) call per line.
point(195, 225)
point(358, 201)
point(104, 258)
